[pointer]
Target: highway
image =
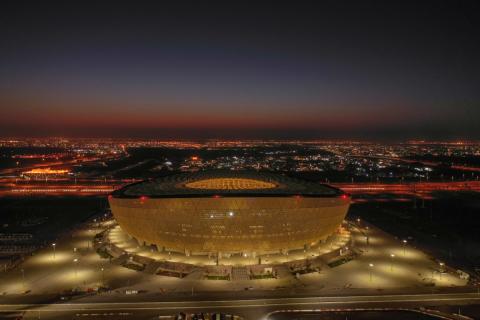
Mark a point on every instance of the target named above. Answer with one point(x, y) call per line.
point(249, 308)
point(10, 187)
point(408, 188)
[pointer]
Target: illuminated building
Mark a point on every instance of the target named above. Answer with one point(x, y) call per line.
point(46, 171)
point(229, 212)
point(40, 173)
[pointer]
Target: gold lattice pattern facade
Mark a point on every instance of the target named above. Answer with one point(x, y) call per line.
point(203, 225)
point(229, 212)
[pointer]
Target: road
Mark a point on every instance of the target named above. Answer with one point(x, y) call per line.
point(250, 309)
point(408, 188)
point(92, 187)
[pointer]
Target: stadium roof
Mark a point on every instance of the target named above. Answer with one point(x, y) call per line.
point(226, 183)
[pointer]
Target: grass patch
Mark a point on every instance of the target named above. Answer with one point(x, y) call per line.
point(261, 276)
point(104, 254)
point(210, 277)
point(135, 266)
point(339, 262)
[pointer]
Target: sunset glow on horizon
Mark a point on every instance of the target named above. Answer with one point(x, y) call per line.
point(314, 72)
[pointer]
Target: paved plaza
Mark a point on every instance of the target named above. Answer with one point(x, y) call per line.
point(383, 262)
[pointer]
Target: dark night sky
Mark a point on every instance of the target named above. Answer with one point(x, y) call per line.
point(365, 69)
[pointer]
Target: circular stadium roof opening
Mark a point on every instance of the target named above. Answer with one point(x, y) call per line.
point(230, 184)
point(226, 183)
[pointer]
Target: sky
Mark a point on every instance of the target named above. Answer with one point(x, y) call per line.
point(239, 69)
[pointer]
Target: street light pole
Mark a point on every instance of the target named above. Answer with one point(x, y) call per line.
point(23, 278)
point(391, 262)
point(441, 269)
point(75, 261)
point(404, 246)
point(371, 266)
point(54, 245)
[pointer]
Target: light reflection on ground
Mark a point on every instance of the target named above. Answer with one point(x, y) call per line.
point(44, 274)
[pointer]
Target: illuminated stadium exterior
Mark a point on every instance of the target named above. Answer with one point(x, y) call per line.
point(228, 212)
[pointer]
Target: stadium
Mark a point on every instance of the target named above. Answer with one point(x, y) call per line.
point(229, 212)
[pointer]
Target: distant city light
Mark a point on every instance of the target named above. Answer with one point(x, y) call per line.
point(47, 171)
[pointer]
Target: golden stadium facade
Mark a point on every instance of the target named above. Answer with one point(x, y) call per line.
point(229, 212)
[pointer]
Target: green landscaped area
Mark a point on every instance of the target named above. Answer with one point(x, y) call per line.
point(262, 276)
point(339, 262)
point(210, 277)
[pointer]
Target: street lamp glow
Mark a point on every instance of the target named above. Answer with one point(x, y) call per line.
point(23, 278)
point(75, 261)
point(103, 275)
